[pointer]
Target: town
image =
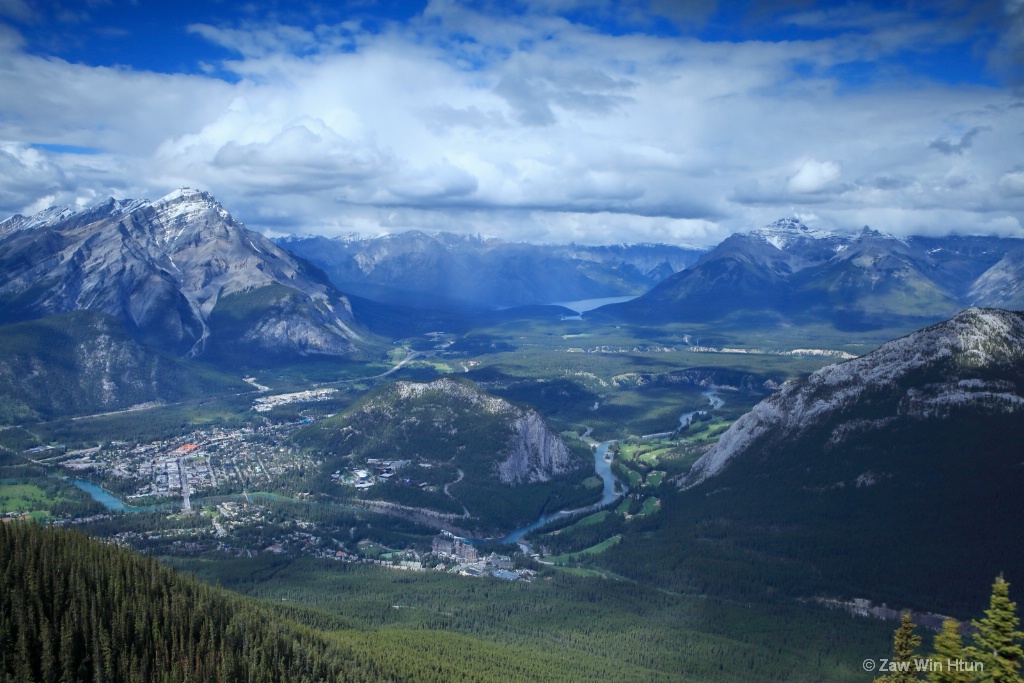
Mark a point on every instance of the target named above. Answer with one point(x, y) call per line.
point(209, 462)
point(227, 491)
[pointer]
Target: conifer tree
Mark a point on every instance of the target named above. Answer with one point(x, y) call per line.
point(903, 665)
point(997, 643)
point(949, 652)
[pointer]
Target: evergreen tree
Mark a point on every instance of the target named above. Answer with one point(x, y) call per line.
point(902, 668)
point(949, 651)
point(997, 640)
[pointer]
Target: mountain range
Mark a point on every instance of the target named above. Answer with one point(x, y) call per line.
point(179, 273)
point(445, 269)
point(182, 275)
point(892, 477)
point(788, 272)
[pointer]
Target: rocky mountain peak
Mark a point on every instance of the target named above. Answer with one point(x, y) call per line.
point(163, 267)
point(972, 361)
point(786, 231)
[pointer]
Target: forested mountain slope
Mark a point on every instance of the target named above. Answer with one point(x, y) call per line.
point(457, 450)
point(84, 362)
point(895, 477)
point(74, 609)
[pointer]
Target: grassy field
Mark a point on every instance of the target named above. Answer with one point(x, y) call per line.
point(25, 498)
point(570, 558)
point(590, 520)
point(651, 506)
point(42, 498)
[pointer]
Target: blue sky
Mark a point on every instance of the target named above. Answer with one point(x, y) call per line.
point(550, 120)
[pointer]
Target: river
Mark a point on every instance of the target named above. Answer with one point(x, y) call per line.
point(686, 419)
point(112, 502)
point(603, 468)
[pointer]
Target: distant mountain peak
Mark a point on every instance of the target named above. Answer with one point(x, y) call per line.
point(867, 233)
point(48, 216)
point(785, 231)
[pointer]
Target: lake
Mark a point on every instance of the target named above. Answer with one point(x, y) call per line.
point(584, 305)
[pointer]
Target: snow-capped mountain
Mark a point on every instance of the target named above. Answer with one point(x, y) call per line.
point(788, 271)
point(973, 362)
point(789, 234)
point(421, 268)
point(171, 270)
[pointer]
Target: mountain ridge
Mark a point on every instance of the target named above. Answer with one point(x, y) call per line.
point(964, 350)
point(456, 269)
point(786, 272)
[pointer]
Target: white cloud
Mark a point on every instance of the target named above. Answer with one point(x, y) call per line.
point(1011, 184)
point(523, 125)
point(814, 176)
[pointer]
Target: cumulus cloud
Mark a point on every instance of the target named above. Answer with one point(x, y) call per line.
point(27, 172)
point(525, 125)
point(1011, 184)
point(305, 155)
point(814, 176)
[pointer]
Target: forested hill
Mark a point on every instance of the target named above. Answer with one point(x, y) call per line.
point(75, 609)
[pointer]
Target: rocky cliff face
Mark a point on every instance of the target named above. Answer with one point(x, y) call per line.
point(162, 268)
point(1002, 284)
point(535, 452)
point(973, 362)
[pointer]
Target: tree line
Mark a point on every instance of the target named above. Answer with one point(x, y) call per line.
point(995, 655)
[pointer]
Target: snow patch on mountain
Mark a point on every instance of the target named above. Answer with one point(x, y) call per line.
point(784, 232)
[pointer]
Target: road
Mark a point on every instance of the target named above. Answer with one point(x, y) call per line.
point(186, 504)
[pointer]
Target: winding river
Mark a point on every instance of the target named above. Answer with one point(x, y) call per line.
point(603, 468)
